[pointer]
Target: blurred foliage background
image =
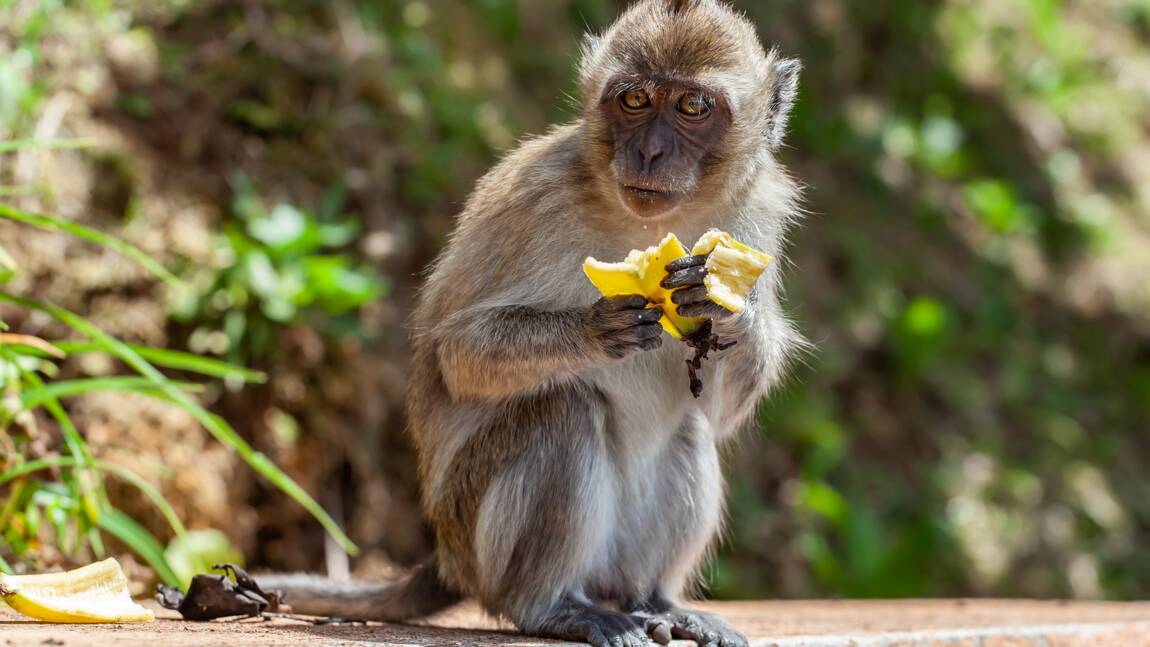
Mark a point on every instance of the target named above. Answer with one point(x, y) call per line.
point(974, 269)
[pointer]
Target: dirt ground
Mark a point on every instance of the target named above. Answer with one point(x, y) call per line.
point(985, 623)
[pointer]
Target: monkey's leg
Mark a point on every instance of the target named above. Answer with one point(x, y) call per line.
point(687, 508)
point(669, 620)
point(572, 619)
point(544, 526)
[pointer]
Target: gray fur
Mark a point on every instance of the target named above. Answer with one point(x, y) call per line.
point(418, 594)
point(572, 482)
point(783, 94)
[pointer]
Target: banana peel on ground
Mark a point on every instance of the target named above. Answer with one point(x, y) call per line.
point(96, 593)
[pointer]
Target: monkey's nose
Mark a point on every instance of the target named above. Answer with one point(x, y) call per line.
point(654, 146)
point(650, 153)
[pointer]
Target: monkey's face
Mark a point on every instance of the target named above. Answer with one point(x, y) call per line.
point(662, 137)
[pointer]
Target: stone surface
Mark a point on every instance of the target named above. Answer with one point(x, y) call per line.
point(912, 623)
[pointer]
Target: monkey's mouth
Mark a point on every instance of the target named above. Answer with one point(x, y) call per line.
point(641, 191)
point(646, 201)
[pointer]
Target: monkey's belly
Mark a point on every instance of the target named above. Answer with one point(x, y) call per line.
point(668, 490)
point(623, 463)
point(650, 395)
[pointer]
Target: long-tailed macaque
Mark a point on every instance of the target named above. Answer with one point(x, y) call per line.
point(572, 482)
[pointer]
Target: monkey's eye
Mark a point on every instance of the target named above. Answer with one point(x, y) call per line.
point(694, 105)
point(635, 99)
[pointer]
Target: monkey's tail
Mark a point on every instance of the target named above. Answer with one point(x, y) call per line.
point(417, 594)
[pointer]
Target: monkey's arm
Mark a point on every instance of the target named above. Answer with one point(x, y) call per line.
point(494, 352)
point(764, 339)
point(766, 342)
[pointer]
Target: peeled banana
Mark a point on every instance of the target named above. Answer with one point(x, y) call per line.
point(732, 269)
point(640, 273)
point(96, 593)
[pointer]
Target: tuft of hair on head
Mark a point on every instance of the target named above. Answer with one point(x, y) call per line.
point(694, 39)
point(667, 37)
point(678, 6)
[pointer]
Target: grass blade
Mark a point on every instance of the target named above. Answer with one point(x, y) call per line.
point(36, 396)
point(12, 339)
point(52, 223)
point(149, 491)
point(119, 471)
point(29, 467)
point(8, 263)
point(176, 360)
point(13, 145)
point(96, 542)
point(10, 191)
point(124, 528)
point(76, 444)
point(215, 425)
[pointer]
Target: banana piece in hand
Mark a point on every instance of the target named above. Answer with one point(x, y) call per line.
point(732, 269)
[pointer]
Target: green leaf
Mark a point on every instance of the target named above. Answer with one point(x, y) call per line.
point(824, 500)
point(36, 396)
point(924, 318)
point(199, 550)
point(149, 491)
point(29, 467)
point(96, 542)
point(336, 286)
point(246, 203)
point(124, 528)
point(286, 227)
point(174, 359)
point(338, 234)
point(996, 205)
point(13, 145)
point(76, 444)
point(53, 223)
point(7, 263)
point(14, 191)
point(124, 473)
point(32, 342)
point(332, 203)
point(221, 430)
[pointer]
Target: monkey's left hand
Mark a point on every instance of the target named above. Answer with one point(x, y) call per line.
point(685, 276)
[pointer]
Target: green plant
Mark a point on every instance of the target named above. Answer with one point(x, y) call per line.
point(277, 267)
point(59, 496)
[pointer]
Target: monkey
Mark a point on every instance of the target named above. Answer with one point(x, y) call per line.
point(571, 486)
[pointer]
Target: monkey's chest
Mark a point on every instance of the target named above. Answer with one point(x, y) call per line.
point(650, 394)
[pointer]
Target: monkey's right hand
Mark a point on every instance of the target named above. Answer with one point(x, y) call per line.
point(621, 325)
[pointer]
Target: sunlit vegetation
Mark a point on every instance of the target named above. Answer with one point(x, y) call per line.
point(972, 272)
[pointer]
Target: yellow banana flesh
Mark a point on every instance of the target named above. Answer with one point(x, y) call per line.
point(640, 273)
point(732, 269)
point(96, 593)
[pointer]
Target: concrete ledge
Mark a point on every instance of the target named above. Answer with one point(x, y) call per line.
point(910, 623)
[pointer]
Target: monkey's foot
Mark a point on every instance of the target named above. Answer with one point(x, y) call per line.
point(599, 627)
point(705, 629)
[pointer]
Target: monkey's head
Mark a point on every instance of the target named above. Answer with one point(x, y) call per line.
point(683, 104)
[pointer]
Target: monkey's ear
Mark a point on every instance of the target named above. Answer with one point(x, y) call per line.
point(590, 42)
point(786, 86)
